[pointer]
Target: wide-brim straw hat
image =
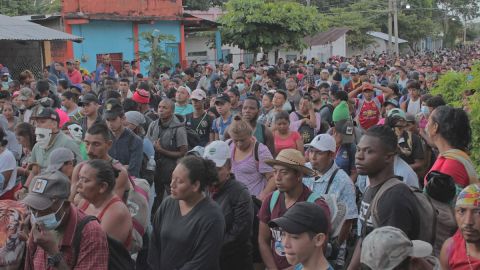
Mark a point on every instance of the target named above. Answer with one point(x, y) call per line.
point(291, 158)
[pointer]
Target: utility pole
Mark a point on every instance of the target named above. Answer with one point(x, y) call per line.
point(390, 10)
point(395, 29)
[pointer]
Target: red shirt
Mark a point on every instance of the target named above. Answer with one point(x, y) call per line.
point(369, 113)
point(75, 76)
point(453, 168)
point(279, 210)
point(457, 254)
point(288, 143)
point(93, 253)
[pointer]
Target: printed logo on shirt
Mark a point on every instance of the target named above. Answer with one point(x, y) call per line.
point(363, 212)
point(277, 238)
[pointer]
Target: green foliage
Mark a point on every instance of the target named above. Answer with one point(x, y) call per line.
point(451, 86)
point(256, 24)
point(156, 56)
point(202, 4)
point(27, 7)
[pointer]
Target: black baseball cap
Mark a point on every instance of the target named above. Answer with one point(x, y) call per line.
point(46, 113)
point(87, 98)
point(113, 108)
point(302, 217)
point(222, 98)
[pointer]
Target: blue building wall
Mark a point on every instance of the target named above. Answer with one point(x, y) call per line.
point(116, 37)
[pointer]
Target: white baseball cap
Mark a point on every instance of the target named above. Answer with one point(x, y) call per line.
point(198, 94)
point(218, 152)
point(323, 142)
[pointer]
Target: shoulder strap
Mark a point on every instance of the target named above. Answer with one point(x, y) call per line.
point(199, 123)
point(77, 237)
point(263, 132)
point(377, 103)
point(274, 199)
point(330, 181)
point(359, 106)
point(110, 203)
point(255, 151)
point(313, 197)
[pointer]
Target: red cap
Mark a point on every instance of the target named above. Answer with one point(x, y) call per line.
point(141, 96)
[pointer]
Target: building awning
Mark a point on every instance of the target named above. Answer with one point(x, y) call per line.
point(20, 30)
point(384, 36)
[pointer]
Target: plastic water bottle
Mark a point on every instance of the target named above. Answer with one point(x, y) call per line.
point(151, 163)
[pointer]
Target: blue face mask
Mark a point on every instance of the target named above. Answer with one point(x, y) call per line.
point(258, 78)
point(425, 110)
point(50, 221)
point(240, 86)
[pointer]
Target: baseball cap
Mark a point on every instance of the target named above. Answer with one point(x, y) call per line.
point(113, 109)
point(354, 71)
point(362, 71)
point(397, 113)
point(87, 98)
point(218, 152)
point(198, 94)
point(70, 61)
point(222, 98)
point(135, 118)
point(141, 96)
point(25, 93)
point(410, 118)
point(58, 157)
point(367, 86)
point(302, 217)
point(386, 247)
point(323, 142)
point(392, 101)
point(46, 113)
point(345, 128)
point(46, 187)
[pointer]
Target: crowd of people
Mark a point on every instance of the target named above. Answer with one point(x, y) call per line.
point(345, 164)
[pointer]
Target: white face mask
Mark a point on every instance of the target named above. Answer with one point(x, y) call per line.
point(76, 131)
point(43, 136)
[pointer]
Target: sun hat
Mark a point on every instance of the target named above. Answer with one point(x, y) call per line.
point(291, 158)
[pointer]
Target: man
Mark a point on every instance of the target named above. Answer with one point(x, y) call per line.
point(234, 95)
point(413, 104)
point(241, 85)
point(73, 74)
point(279, 101)
point(221, 123)
point(29, 106)
point(106, 67)
point(49, 138)
point(266, 107)
point(462, 251)
point(98, 141)
point(69, 105)
point(142, 98)
point(169, 138)
point(199, 120)
point(90, 106)
point(354, 81)
point(369, 107)
point(396, 207)
point(237, 207)
point(182, 107)
point(45, 88)
point(53, 215)
point(63, 160)
point(205, 81)
point(293, 93)
point(389, 248)
point(126, 146)
point(189, 78)
point(304, 233)
point(127, 72)
point(331, 179)
point(324, 78)
point(124, 89)
point(288, 173)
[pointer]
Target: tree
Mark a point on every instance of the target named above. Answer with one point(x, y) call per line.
point(156, 56)
point(255, 24)
point(202, 4)
point(26, 7)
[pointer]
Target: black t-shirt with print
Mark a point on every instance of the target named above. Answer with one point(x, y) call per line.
point(396, 208)
point(202, 125)
point(416, 147)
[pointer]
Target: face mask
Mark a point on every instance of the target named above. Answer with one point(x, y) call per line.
point(258, 78)
point(49, 221)
point(240, 86)
point(76, 131)
point(43, 136)
point(425, 110)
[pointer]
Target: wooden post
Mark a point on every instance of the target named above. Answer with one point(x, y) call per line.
point(47, 52)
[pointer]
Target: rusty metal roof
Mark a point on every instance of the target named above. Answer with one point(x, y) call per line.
point(326, 37)
point(17, 29)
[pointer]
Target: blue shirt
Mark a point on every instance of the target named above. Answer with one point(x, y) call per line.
point(342, 186)
point(345, 157)
point(300, 267)
point(219, 126)
point(183, 110)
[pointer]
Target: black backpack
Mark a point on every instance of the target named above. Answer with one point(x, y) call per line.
point(118, 256)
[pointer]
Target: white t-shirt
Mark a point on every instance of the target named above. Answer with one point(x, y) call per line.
point(414, 107)
point(8, 163)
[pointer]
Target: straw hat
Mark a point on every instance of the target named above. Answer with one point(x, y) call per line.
point(291, 158)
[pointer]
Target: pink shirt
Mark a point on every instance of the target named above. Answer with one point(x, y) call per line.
point(288, 143)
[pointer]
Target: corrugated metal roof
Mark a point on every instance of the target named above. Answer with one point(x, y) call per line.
point(16, 29)
point(384, 36)
point(326, 37)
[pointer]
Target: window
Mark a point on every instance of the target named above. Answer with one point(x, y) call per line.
point(202, 53)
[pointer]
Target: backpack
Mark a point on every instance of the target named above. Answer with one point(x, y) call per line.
point(118, 256)
point(145, 172)
point(307, 132)
point(362, 101)
point(426, 211)
point(273, 201)
point(12, 216)
point(255, 151)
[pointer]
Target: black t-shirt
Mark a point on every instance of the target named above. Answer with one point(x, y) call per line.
point(202, 125)
point(396, 208)
point(415, 148)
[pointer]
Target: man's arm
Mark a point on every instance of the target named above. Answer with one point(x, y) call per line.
point(355, 261)
point(264, 241)
point(269, 187)
point(171, 154)
point(136, 157)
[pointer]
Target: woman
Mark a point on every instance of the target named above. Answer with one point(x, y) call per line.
point(25, 134)
point(188, 227)
point(248, 158)
point(283, 136)
point(8, 169)
point(95, 185)
point(8, 112)
point(449, 130)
